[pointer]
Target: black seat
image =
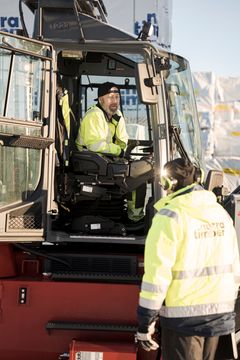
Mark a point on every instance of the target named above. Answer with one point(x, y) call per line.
point(89, 163)
point(95, 189)
point(102, 170)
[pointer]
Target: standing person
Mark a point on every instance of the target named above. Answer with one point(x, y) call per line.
point(103, 127)
point(103, 130)
point(192, 270)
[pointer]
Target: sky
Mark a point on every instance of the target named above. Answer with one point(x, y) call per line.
point(206, 32)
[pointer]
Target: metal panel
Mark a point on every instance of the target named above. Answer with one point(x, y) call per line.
point(99, 351)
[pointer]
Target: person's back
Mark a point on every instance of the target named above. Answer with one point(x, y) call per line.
point(191, 270)
point(206, 249)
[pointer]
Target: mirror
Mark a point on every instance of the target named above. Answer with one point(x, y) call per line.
point(148, 93)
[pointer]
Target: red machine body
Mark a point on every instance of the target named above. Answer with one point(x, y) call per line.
point(100, 351)
point(41, 317)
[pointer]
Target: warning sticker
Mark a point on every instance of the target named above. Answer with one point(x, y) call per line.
point(87, 355)
point(95, 226)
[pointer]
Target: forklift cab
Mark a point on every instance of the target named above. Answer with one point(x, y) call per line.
point(57, 194)
point(94, 187)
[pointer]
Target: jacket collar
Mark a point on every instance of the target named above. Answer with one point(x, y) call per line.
point(115, 117)
point(187, 189)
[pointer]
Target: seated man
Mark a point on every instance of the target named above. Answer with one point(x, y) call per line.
point(103, 127)
point(103, 130)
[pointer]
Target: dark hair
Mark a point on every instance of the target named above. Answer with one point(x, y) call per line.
point(181, 170)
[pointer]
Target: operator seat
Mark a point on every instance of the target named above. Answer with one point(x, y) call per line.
point(99, 186)
point(109, 170)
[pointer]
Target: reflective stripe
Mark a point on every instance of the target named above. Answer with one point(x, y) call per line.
point(109, 138)
point(150, 304)
point(210, 270)
point(153, 288)
point(197, 310)
point(169, 213)
point(100, 145)
point(79, 141)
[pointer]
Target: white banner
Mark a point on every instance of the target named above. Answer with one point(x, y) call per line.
point(10, 17)
point(130, 15)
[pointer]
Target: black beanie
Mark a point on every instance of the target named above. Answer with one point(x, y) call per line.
point(105, 88)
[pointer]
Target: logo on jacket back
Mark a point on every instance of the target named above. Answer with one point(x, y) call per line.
point(209, 230)
point(9, 24)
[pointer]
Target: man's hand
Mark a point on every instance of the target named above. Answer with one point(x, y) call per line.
point(145, 339)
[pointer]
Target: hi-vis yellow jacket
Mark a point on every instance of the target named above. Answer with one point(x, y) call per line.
point(96, 133)
point(66, 111)
point(191, 257)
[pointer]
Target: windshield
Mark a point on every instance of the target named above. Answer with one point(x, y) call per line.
point(121, 71)
point(182, 108)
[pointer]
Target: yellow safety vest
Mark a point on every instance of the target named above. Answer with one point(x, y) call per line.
point(96, 133)
point(66, 112)
point(191, 257)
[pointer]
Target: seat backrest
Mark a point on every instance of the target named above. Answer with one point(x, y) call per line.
point(214, 180)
